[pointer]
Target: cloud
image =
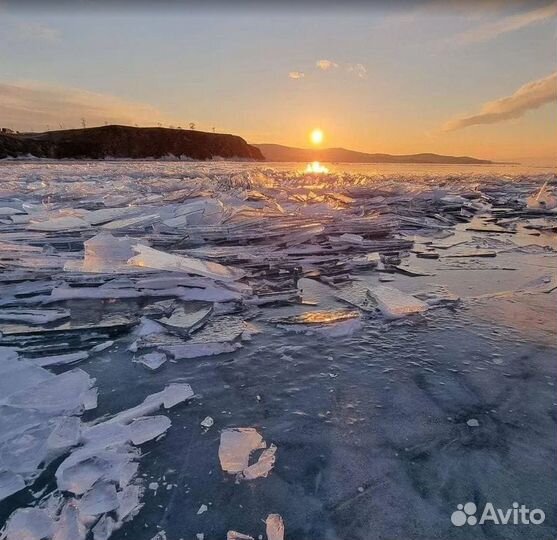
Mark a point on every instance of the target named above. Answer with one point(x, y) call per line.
point(37, 32)
point(530, 96)
point(33, 106)
point(358, 70)
point(296, 75)
point(326, 65)
point(507, 24)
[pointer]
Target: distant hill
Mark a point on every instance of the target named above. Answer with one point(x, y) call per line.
point(126, 142)
point(276, 152)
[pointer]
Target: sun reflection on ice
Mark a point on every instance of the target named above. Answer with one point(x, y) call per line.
point(316, 168)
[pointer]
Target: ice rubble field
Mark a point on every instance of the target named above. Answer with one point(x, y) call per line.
point(225, 350)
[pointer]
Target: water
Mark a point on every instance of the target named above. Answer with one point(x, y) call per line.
point(373, 429)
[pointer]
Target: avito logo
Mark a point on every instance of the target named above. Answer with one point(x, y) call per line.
point(517, 515)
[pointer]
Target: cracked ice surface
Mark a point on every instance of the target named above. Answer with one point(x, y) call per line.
point(262, 287)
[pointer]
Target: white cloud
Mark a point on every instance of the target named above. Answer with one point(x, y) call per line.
point(359, 70)
point(507, 24)
point(326, 65)
point(529, 96)
point(37, 32)
point(296, 75)
point(34, 105)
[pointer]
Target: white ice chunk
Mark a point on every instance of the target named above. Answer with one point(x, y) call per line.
point(152, 361)
point(69, 526)
point(66, 223)
point(394, 303)
point(169, 397)
point(61, 359)
point(29, 524)
point(10, 483)
point(207, 422)
point(236, 446)
point(148, 428)
point(274, 527)
point(151, 258)
point(66, 433)
point(542, 200)
point(34, 316)
point(62, 394)
point(99, 499)
point(129, 501)
point(104, 215)
point(263, 466)
point(104, 252)
point(103, 528)
point(186, 350)
point(234, 535)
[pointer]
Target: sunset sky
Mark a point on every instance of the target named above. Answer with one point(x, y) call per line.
point(406, 79)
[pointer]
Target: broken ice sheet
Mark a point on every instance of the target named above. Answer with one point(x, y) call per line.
point(274, 527)
point(221, 335)
point(319, 317)
point(187, 319)
point(29, 524)
point(236, 447)
point(67, 223)
point(152, 361)
point(151, 258)
point(33, 316)
point(394, 303)
point(104, 253)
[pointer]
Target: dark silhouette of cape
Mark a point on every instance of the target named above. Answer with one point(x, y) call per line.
point(126, 142)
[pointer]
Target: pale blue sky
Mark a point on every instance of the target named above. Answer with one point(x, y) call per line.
point(423, 68)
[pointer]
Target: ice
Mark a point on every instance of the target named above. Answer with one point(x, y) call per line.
point(236, 446)
point(61, 359)
point(198, 350)
point(234, 535)
point(393, 303)
point(67, 223)
point(69, 526)
point(129, 501)
point(66, 433)
point(274, 527)
point(221, 244)
point(34, 316)
point(319, 317)
point(173, 394)
point(99, 499)
point(151, 258)
point(103, 528)
point(542, 200)
point(104, 253)
point(207, 422)
point(152, 361)
point(29, 524)
point(184, 321)
point(10, 483)
point(148, 428)
point(263, 466)
point(202, 509)
point(58, 395)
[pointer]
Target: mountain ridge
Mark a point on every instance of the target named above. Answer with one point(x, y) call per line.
point(277, 152)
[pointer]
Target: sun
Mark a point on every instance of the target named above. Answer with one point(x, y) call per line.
point(316, 136)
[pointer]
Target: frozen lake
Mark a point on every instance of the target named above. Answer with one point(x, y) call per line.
point(384, 422)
